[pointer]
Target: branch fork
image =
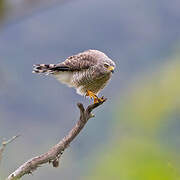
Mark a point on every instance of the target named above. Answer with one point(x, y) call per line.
point(54, 154)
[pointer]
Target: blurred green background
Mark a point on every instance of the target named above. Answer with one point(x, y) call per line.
point(136, 133)
point(146, 139)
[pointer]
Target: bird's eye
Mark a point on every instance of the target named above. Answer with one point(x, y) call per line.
point(106, 65)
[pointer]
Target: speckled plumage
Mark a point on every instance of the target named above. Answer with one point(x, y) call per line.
point(88, 70)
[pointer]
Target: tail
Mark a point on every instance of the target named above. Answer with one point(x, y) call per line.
point(43, 68)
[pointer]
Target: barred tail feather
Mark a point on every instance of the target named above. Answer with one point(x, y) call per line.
point(43, 68)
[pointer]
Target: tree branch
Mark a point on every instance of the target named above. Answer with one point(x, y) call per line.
point(54, 154)
point(4, 143)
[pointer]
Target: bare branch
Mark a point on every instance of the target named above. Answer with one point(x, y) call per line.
point(54, 154)
point(4, 143)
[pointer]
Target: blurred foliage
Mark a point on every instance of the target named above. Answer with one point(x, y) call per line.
point(11, 11)
point(136, 152)
point(135, 159)
point(153, 98)
point(2, 9)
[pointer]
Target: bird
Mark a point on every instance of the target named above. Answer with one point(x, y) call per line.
point(88, 72)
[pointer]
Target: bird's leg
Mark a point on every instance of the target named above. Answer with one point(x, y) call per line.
point(92, 96)
point(95, 98)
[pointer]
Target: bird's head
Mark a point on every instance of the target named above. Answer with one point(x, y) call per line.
point(109, 66)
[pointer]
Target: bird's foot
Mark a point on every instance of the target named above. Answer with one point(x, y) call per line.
point(102, 99)
point(99, 100)
point(94, 97)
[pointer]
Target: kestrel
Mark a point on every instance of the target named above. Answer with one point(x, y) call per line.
point(88, 72)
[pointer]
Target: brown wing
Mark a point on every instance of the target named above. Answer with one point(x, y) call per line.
point(77, 62)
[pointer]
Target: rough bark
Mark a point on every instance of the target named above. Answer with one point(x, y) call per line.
point(54, 154)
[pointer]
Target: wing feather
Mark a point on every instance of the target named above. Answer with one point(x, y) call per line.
point(77, 62)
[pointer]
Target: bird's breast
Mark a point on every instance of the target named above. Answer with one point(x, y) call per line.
point(88, 80)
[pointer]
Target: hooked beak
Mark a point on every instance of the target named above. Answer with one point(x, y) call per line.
point(111, 68)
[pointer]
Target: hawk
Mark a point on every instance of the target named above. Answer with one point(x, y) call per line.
point(88, 72)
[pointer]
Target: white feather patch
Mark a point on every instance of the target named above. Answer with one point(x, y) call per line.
point(80, 92)
point(65, 78)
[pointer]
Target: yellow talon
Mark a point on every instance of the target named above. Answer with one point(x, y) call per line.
point(95, 98)
point(101, 99)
